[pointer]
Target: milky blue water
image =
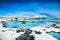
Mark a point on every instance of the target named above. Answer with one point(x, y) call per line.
point(20, 25)
point(55, 35)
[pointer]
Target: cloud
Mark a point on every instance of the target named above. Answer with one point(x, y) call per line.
point(25, 13)
point(54, 13)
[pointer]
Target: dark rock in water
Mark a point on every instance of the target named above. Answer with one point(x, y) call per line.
point(38, 32)
point(57, 26)
point(4, 23)
point(17, 31)
point(23, 22)
point(22, 37)
point(30, 37)
point(54, 25)
point(25, 36)
point(58, 32)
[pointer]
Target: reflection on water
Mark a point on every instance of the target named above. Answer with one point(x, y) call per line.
point(56, 35)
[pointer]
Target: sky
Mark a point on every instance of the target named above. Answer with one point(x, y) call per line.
point(18, 8)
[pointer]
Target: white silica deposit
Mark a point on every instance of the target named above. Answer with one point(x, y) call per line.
point(12, 35)
point(43, 36)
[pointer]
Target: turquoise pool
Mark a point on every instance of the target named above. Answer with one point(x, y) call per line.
point(55, 35)
point(20, 25)
point(13, 24)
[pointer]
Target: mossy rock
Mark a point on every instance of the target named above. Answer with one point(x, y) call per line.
point(17, 31)
point(38, 32)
